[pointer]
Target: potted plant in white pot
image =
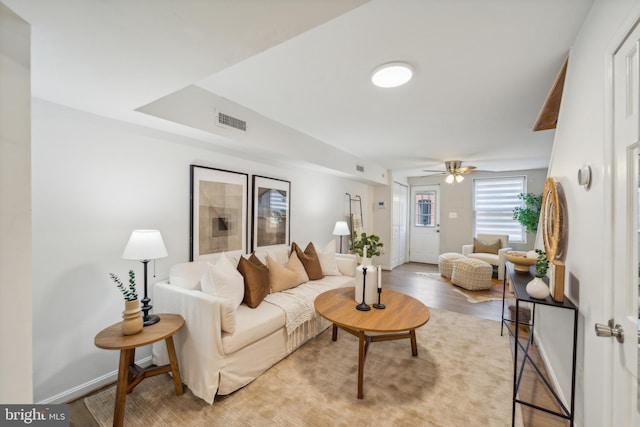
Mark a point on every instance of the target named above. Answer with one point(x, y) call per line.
point(537, 288)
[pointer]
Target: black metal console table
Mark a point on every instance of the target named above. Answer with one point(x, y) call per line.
point(519, 284)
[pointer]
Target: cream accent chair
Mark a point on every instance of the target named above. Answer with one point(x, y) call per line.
point(493, 259)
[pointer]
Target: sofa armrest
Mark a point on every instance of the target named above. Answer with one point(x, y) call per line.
point(467, 249)
point(199, 343)
point(501, 254)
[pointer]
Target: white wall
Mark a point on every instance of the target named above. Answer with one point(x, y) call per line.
point(15, 205)
point(580, 140)
point(95, 180)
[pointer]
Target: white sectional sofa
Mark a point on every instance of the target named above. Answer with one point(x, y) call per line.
point(224, 346)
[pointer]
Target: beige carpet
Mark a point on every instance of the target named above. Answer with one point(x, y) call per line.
point(492, 294)
point(462, 376)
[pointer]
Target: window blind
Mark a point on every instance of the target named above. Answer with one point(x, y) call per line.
point(493, 202)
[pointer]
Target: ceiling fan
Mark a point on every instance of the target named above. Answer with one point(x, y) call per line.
point(454, 171)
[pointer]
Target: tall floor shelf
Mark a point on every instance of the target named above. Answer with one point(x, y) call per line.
point(518, 284)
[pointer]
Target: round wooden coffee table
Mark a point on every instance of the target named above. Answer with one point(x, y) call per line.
point(399, 320)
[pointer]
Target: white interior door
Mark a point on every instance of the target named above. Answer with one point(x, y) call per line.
point(400, 215)
point(425, 224)
point(625, 398)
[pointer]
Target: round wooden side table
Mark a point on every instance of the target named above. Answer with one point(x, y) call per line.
point(130, 374)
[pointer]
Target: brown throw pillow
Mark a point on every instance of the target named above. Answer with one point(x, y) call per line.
point(256, 280)
point(310, 260)
point(283, 277)
point(480, 246)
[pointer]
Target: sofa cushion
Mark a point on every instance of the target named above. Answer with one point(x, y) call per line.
point(309, 259)
point(492, 259)
point(347, 264)
point(187, 275)
point(287, 276)
point(224, 280)
point(227, 316)
point(327, 258)
point(278, 253)
point(253, 325)
point(480, 246)
point(256, 280)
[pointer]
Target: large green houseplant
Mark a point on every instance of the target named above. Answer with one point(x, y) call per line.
point(372, 242)
point(529, 214)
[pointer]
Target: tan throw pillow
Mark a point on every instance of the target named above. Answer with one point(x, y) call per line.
point(309, 259)
point(482, 247)
point(282, 277)
point(256, 280)
point(327, 257)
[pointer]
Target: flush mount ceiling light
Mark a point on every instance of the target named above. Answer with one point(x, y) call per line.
point(393, 74)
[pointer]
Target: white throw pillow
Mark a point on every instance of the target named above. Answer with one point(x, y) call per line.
point(327, 257)
point(228, 316)
point(224, 280)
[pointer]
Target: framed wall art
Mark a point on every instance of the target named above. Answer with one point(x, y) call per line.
point(218, 211)
point(270, 212)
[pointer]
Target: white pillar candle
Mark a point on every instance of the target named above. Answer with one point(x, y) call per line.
point(379, 276)
point(364, 252)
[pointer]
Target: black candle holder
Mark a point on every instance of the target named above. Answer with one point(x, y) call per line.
point(363, 306)
point(378, 305)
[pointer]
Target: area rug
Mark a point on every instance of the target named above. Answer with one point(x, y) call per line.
point(492, 294)
point(462, 376)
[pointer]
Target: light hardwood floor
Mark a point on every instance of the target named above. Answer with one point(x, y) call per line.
point(437, 295)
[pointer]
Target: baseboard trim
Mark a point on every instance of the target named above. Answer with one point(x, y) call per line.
point(89, 387)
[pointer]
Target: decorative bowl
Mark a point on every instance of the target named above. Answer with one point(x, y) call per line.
point(520, 261)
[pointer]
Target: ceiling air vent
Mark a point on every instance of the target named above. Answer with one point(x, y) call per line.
point(360, 168)
point(227, 121)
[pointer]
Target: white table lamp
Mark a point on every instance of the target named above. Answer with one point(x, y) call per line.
point(341, 229)
point(145, 245)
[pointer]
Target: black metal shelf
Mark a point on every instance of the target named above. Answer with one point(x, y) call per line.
point(519, 283)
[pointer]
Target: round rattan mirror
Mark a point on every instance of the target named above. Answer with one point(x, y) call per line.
point(551, 219)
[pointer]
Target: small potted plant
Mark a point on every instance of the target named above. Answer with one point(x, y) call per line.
point(537, 288)
point(132, 322)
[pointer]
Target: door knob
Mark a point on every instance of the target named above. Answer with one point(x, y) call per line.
point(609, 330)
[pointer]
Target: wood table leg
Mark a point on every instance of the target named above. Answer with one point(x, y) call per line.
point(121, 388)
point(175, 369)
point(414, 342)
point(334, 333)
point(361, 344)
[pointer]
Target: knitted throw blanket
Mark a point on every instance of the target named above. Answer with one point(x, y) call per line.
point(297, 304)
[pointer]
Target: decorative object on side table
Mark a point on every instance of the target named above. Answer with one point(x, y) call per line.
point(378, 305)
point(132, 315)
point(521, 260)
point(143, 246)
point(556, 280)
point(537, 288)
point(363, 294)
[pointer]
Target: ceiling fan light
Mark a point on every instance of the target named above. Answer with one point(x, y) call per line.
point(393, 74)
point(449, 179)
point(459, 178)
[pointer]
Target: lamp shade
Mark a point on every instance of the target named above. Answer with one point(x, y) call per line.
point(449, 179)
point(145, 245)
point(341, 229)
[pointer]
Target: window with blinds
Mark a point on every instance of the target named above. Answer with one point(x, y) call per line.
point(493, 202)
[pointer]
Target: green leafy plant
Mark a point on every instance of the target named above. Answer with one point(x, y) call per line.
point(542, 263)
point(129, 292)
point(529, 214)
point(372, 242)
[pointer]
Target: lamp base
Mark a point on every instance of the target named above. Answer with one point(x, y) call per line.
point(150, 320)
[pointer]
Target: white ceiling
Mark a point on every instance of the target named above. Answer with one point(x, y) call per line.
point(483, 68)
